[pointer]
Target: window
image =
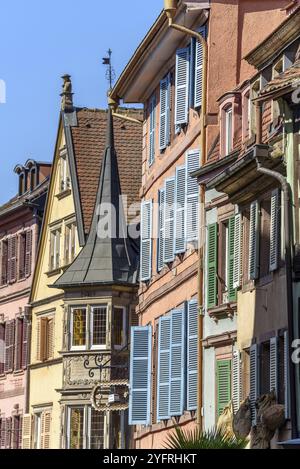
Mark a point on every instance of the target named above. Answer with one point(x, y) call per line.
point(70, 243)
point(4, 262)
point(45, 338)
point(228, 130)
point(78, 328)
point(21, 344)
point(22, 183)
point(254, 92)
point(17, 432)
point(33, 178)
point(119, 327)
point(55, 249)
point(99, 326)
point(265, 368)
point(85, 428)
point(9, 346)
point(42, 429)
point(247, 111)
point(38, 431)
point(65, 181)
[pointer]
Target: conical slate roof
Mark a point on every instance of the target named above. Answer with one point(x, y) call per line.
point(105, 258)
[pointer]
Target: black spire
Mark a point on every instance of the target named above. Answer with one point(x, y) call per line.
point(108, 256)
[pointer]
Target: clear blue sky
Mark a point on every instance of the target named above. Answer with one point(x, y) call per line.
point(40, 40)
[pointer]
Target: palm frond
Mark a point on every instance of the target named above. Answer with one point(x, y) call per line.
point(197, 439)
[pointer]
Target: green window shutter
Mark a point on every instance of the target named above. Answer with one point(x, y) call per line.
point(212, 261)
point(223, 385)
point(230, 261)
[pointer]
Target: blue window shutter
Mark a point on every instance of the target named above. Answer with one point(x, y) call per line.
point(140, 375)
point(182, 86)
point(192, 190)
point(199, 71)
point(180, 199)
point(161, 226)
point(146, 241)
point(169, 214)
point(163, 372)
point(152, 130)
point(177, 363)
point(164, 121)
point(192, 355)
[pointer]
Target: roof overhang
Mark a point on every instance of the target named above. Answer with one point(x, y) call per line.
point(146, 66)
point(278, 40)
point(242, 182)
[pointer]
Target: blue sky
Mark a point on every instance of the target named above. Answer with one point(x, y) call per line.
point(40, 40)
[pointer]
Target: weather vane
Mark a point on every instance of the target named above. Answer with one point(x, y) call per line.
point(110, 73)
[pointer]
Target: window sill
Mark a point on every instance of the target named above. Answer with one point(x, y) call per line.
point(63, 194)
point(223, 311)
point(169, 424)
point(53, 273)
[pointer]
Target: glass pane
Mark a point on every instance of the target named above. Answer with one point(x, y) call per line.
point(76, 428)
point(99, 325)
point(97, 430)
point(79, 327)
point(118, 326)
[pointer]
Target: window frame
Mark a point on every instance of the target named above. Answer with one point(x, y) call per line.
point(56, 265)
point(91, 309)
point(124, 327)
point(78, 347)
point(228, 130)
point(64, 175)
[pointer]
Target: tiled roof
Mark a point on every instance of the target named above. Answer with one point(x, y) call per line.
point(89, 140)
point(286, 79)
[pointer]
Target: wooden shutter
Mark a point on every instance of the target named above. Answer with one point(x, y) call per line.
point(152, 129)
point(169, 214)
point(237, 261)
point(212, 259)
point(192, 355)
point(18, 344)
point(22, 243)
point(198, 93)
point(180, 199)
point(274, 231)
point(25, 340)
point(182, 86)
point(254, 241)
point(28, 253)
point(50, 338)
point(164, 122)
point(8, 433)
point(4, 260)
point(12, 259)
point(45, 429)
point(287, 362)
point(223, 385)
point(230, 260)
point(236, 381)
point(146, 241)
point(26, 431)
point(9, 346)
point(177, 363)
point(2, 431)
point(274, 365)
point(38, 339)
point(140, 376)
point(163, 382)
point(192, 202)
point(43, 339)
point(161, 227)
point(2, 348)
point(254, 380)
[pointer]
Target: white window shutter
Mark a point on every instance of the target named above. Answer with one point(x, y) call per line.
point(274, 365)
point(180, 199)
point(163, 372)
point(254, 380)
point(146, 241)
point(192, 355)
point(169, 214)
point(237, 262)
point(26, 431)
point(274, 231)
point(164, 122)
point(161, 227)
point(140, 376)
point(254, 241)
point(177, 363)
point(287, 397)
point(182, 86)
point(152, 130)
point(198, 92)
point(192, 202)
point(236, 381)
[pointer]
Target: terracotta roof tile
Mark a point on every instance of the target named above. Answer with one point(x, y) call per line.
point(290, 77)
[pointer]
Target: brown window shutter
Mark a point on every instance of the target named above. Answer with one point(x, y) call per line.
point(38, 339)
point(16, 431)
point(28, 253)
point(2, 432)
point(8, 432)
point(45, 430)
point(12, 259)
point(9, 346)
point(2, 348)
point(25, 343)
point(4, 259)
point(21, 256)
point(26, 431)
point(50, 338)
point(18, 344)
point(67, 245)
point(43, 338)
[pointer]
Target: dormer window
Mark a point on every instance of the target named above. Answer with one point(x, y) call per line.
point(65, 181)
point(33, 178)
point(228, 114)
point(22, 184)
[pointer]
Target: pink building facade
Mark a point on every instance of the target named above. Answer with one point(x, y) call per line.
point(20, 222)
